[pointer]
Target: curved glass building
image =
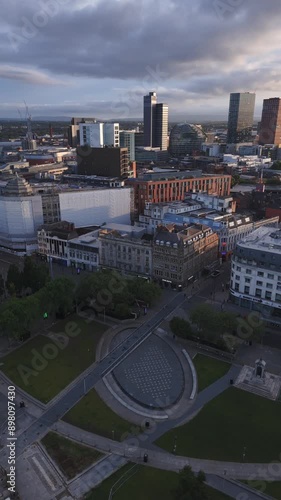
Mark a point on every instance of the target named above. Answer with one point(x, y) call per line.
point(185, 138)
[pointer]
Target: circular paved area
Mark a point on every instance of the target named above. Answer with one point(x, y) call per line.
point(152, 375)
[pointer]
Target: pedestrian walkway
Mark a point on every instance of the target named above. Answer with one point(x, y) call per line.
point(161, 459)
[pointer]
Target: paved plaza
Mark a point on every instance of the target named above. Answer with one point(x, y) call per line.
point(152, 374)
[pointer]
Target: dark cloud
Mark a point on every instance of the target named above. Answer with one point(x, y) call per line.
point(209, 47)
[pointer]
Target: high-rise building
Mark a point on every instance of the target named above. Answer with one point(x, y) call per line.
point(98, 135)
point(149, 105)
point(106, 162)
point(91, 134)
point(161, 127)
point(127, 140)
point(155, 118)
point(73, 130)
point(241, 117)
point(111, 134)
point(270, 126)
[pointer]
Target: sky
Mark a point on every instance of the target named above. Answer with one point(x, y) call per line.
point(98, 58)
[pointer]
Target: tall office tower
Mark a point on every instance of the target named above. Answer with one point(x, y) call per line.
point(270, 126)
point(149, 105)
point(155, 119)
point(127, 140)
point(241, 117)
point(161, 127)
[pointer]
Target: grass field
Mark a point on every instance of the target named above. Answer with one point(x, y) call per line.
point(209, 370)
point(224, 427)
point(43, 369)
point(71, 457)
point(93, 415)
point(147, 483)
point(267, 487)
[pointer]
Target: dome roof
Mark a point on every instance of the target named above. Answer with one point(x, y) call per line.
point(185, 138)
point(17, 187)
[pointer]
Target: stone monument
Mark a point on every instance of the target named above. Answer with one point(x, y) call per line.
point(259, 381)
point(260, 369)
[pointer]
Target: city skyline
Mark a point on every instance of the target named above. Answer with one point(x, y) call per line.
point(106, 74)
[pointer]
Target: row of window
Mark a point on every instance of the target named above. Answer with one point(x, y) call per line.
point(261, 274)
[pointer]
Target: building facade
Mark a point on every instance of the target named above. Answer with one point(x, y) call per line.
point(181, 253)
point(127, 140)
point(186, 139)
point(241, 117)
point(270, 126)
point(106, 162)
point(20, 216)
point(256, 272)
point(159, 188)
point(126, 249)
point(155, 119)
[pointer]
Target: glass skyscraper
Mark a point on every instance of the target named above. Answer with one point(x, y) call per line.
point(241, 117)
point(155, 118)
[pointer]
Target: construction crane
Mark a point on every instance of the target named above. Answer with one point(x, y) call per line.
point(29, 134)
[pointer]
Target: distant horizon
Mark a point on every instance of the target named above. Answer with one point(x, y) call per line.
point(100, 119)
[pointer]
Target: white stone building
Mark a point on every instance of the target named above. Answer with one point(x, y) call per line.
point(256, 271)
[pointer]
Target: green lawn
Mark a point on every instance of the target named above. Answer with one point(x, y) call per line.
point(43, 369)
point(209, 370)
point(268, 488)
point(71, 457)
point(232, 421)
point(148, 483)
point(93, 415)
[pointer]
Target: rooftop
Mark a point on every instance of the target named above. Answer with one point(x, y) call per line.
point(266, 239)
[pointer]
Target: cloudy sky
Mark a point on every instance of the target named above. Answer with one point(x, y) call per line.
point(98, 58)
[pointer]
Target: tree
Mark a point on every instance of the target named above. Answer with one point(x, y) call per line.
point(2, 287)
point(191, 487)
point(34, 276)
point(181, 327)
point(14, 279)
point(205, 318)
point(17, 316)
point(58, 296)
point(235, 180)
point(276, 165)
point(144, 290)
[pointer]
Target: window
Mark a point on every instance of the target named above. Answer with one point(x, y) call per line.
point(248, 271)
point(268, 295)
point(246, 289)
point(247, 280)
point(258, 292)
point(259, 283)
point(260, 273)
point(236, 287)
point(238, 268)
point(278, 297)
point(269, 285)
point(270, 276)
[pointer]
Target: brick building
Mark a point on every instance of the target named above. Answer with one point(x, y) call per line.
point(167, 187)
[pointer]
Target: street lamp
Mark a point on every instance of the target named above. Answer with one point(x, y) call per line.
point(175, 444)
point(244, 453)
